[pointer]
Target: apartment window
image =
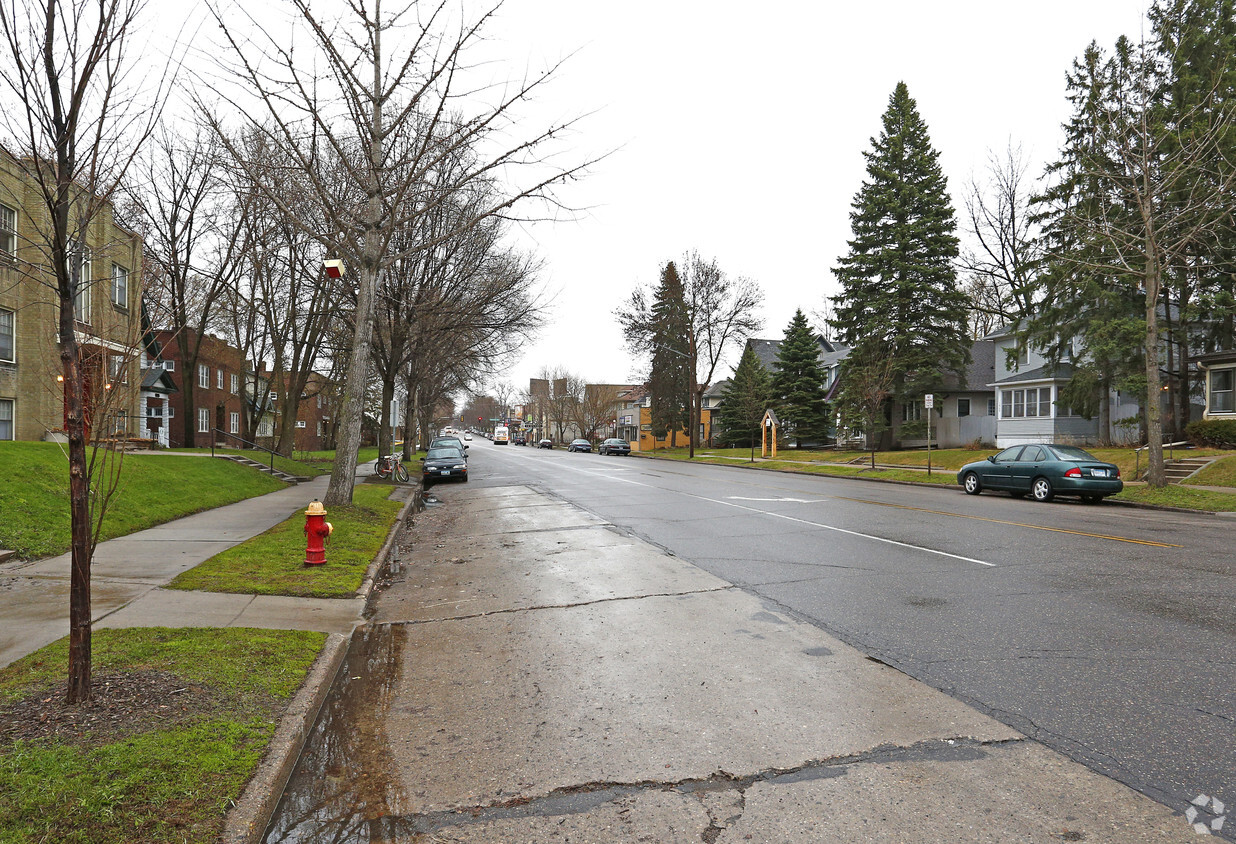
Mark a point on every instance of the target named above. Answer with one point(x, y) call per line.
point(6, 419)
point(83, 301)
point(299, 424)
point(233, 422)
point(274, 397)
point(120, 286)
point(169, 366)
point(8, 336)
point(1222, 398)
point(321, 427)
point(266, 427)
point(169, 411)
point(219, 380)
point(235, 384)
point(8, 230)
point(319, 401)
point(963, 407)
point(203, 375)
point(203, 420)
point(116, 369)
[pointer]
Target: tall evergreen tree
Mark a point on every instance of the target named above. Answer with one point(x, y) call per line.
point(744, 401)
point(899, 289)
point(799, 383)
point(670, 378)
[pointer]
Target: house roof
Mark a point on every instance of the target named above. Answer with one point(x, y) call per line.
point(156, 380)
point(766, 351)
point(981, 370)
point(1223, 356)
point(1059, 372)
point(718, 388)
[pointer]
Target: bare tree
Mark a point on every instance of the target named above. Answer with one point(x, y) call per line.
point(368, 132)
point(595, 408)
point(75, 117)
point(1005, 249)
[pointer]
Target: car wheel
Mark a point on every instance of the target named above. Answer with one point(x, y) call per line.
point(1042, 490)
point(465, 478)
point(971, 483)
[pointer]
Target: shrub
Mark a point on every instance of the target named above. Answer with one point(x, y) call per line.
point(1213, 433)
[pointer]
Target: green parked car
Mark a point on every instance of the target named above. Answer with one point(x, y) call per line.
point(1043, 470)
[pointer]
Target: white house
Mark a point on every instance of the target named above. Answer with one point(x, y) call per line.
point(1028, 405)
point(1220, 383)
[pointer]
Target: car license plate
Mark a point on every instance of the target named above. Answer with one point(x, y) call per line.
point(1099, 473)
point(446, 471)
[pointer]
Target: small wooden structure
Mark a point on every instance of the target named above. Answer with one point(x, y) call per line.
point(769, 434)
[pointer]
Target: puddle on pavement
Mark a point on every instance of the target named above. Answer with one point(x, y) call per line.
point(344, 787)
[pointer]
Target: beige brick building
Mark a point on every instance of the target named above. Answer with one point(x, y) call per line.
point(108, 318)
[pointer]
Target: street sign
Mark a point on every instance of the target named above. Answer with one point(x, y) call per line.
point(929, 401)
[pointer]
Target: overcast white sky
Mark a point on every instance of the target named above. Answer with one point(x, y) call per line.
point(740, 127)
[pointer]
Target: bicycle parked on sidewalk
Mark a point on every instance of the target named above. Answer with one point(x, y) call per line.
point(390, 465)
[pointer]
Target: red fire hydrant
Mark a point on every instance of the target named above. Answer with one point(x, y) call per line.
point(316, 531)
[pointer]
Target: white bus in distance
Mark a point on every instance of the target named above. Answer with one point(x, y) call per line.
point(502, 435)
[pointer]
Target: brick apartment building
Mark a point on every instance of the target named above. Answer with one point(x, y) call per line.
point(218, 385)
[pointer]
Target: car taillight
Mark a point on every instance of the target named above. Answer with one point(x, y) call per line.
point(1073, 473)
point(1117, 471)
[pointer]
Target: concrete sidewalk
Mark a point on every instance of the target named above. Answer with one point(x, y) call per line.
point(128, 572)
point(533, 674)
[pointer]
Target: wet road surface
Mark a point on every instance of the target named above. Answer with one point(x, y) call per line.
point(537, 671)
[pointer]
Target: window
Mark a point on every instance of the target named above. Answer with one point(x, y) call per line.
point(120, 286)
point(83, 301)
point(169, 366)
point(203, 420)
point(274, 397)
point(8, 337)
point(116, 369)
point(235, 384)
point(319, 401)
point(1017, 404)
point(1031, 454)
point(912, 412)
point(6, 419)
point(321, 427)
point(219, 380)
point(1221, 391)
point(154, 411)
point(233, 422)
point(1023, 357)
point(8, 230)
point(299, 424)
point(203, 375)
point(991, 407)
point(169, 411)
point(266, 428)
point(963, 407)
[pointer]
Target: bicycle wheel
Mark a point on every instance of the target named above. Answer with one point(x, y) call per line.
point(401, 473)
point(382, 469)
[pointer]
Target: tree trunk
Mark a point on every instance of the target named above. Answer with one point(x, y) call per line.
point(1105, 412)
point(79, 690)
point(385, 445)
point(410, 443)
point(1154, 418)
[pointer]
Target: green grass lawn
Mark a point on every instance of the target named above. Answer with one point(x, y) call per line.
point(1175, 495)
point(1220, 473)
point(296, 466)
point(273, 563)
point(170, 770)
point(34, 494)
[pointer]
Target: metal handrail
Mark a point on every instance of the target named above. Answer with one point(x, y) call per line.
point(243, 440)
point(1171, 447)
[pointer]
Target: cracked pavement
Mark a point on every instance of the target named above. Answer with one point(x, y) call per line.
point(531, 674)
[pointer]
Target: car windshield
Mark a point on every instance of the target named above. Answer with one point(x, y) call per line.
point(443, 454)
point(1072, 452)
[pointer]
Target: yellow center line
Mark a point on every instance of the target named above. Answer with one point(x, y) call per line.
point(1014, 524)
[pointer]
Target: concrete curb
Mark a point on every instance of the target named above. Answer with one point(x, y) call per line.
point(1110, 501)
point(248, 819)
point(246, 822)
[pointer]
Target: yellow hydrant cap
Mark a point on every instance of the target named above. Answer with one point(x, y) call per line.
point(315, 509)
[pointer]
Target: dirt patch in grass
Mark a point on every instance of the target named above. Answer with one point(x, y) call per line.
point(122, 704)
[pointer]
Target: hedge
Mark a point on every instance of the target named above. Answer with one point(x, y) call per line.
point(1212, 433)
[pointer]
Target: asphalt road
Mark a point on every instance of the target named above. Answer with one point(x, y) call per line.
point(1108, 633)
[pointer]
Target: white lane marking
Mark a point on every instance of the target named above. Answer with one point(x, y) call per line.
point(788, 518)
point(777, 500)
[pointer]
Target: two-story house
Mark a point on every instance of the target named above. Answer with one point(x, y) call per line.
point(1029, 407)
point(107, 325)
point(1220, 384)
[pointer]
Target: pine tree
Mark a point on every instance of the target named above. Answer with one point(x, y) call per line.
point(799, 383)
point(899, 289)
point(744, 401)
point(669, 381)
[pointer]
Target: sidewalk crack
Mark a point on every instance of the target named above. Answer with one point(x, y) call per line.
point(568, 606)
